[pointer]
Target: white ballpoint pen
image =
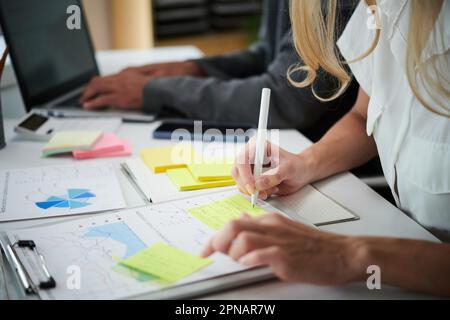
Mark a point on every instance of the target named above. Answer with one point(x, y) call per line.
point(261, 138)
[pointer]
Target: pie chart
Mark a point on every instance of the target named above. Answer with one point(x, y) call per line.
point(73, 199)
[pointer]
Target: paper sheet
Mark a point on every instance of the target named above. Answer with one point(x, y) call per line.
point(184, 181)
point(58, 191)
point(166, 262)
point(95, 245)
point(219, 213)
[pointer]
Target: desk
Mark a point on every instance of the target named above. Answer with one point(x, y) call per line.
point(378, 217)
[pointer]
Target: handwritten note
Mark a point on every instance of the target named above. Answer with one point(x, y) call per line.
point(166, 262)
point(218, 214)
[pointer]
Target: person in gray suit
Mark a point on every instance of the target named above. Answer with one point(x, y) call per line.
point(228, 87)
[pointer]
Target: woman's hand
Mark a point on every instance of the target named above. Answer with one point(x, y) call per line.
point(295, 252)
point(287, 174)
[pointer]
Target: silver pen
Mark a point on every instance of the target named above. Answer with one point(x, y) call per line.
point(19, 270)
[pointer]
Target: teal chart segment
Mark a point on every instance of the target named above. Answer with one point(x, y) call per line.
point(73, 199)
point(119, 232)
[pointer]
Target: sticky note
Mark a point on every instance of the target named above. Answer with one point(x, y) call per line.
point(211, 171)
point(109, 145)
point(166, 262)
point(184, 181)
point(217, 214)
point(68, 141)
point(161, 159)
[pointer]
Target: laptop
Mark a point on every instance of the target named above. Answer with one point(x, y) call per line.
point(53, 64)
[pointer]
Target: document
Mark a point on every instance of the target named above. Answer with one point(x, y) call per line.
point(58, 191)
point(94, 247)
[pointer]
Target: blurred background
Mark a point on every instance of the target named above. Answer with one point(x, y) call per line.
point(214, 26)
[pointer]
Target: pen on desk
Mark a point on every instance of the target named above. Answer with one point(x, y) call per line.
point(19, 270)
point(261, 138)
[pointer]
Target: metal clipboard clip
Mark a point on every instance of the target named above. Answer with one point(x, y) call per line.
point(28, 285)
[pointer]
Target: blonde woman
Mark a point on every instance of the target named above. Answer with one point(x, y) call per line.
point(401, 58)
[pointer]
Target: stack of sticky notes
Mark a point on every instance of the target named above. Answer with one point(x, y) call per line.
point(69, 141)
point(165, 262)
point(86, 144)
point(160, 160)
point(186, 169)
point(109, 145)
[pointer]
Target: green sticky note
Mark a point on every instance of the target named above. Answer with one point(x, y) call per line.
point(184, 181)
point(217, 214)
point(166, 262)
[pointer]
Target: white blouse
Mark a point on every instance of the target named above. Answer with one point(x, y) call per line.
point(413, 143)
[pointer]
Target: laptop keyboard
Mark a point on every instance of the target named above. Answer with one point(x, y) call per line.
point(71, 102)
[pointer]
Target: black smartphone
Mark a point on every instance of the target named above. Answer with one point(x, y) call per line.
point(207, 131)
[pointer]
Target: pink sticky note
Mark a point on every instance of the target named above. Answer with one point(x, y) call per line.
point(109, 145)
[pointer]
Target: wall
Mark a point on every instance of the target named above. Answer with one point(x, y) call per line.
point(120, 24)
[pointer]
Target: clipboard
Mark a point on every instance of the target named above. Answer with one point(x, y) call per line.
point(27, 285)
point(191, 289)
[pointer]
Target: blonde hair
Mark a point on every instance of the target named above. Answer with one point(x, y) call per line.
point(314, 40)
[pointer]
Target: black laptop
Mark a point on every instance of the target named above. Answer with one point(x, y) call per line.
point(52, 62)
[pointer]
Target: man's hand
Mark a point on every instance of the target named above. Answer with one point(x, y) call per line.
point(295, 252)
point(125, 89)
point(170, 69)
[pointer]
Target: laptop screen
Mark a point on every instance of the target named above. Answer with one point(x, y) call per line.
point(49, 58)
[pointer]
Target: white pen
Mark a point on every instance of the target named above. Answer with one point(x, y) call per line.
point(261, 138)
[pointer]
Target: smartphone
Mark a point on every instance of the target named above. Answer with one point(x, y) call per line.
point(207, 131)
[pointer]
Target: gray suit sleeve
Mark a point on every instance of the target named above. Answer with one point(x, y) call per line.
point(240, 64)
point(237, 100)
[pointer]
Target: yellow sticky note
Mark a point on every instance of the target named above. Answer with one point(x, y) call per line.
point(217, 214)
point(68, 141)
point(166, 262)
point(161, 159)
point(211, 171)
point(184, 181)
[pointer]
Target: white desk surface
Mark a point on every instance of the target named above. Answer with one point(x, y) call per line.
point(377, 216)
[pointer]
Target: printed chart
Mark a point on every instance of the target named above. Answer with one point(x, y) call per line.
point(59, 190)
